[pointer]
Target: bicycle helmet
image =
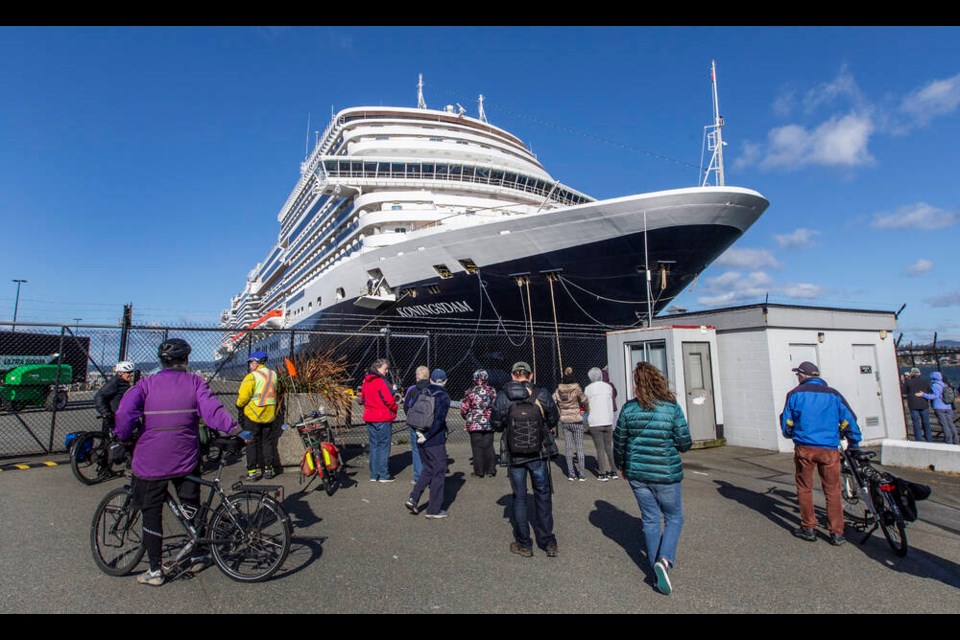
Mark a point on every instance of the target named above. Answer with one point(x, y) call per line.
point(173, 350)
point(259, 356)
point(125, 366)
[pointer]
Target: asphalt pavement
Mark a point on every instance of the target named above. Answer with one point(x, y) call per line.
point(360, 551)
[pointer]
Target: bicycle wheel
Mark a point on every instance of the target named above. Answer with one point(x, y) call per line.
point(853, 503)
point(89, 458)
point(891, 522)
point(116, 535)
point(250, 536)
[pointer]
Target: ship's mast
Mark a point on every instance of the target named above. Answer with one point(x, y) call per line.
point(483, 114)
point(421, 103)
point(715, 137)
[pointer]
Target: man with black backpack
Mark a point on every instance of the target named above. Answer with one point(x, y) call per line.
point(526, 415)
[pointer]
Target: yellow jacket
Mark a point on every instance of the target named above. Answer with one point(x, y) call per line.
point(259, 410)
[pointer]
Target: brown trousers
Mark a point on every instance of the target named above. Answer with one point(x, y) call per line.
point(827, 463)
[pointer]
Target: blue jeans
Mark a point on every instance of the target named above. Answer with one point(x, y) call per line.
point(660, 501)
point(415, 450)
point(381, 434)
point(945, 418)
point(918, 417)
point(542, 504)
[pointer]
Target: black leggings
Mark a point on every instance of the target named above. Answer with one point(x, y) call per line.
point(150, 495)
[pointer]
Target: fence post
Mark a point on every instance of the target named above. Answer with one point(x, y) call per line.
point(292, 354)
point(125, 322)
point(56, 391)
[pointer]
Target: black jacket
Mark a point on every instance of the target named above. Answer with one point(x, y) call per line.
point(108, 397)
point(508, 394)
point(910, 387)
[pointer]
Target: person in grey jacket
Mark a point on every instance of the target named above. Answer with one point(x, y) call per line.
point(651, 433)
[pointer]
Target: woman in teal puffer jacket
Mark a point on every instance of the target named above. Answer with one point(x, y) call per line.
point(650, 434)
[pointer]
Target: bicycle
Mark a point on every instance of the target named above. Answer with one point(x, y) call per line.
point(90, 458)
point(248, 532)
point(321, 453)
point(870, 497)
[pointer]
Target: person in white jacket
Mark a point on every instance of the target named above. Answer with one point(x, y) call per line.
point(600, 421)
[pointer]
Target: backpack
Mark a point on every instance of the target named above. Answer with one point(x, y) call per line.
point(420, 415)
point(525, 427)
point(948, 395)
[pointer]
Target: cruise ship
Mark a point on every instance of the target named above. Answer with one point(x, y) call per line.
point(415, 213)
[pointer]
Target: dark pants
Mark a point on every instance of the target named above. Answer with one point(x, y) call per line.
point(484, 457)
point(542, 519)
point(432, 475)
point(150, 495)
point(827, 463)
point(262, 450)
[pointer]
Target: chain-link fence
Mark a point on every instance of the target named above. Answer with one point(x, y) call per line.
point(50, 373)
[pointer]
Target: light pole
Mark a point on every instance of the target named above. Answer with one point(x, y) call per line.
point(16, 305)
point(76, 323)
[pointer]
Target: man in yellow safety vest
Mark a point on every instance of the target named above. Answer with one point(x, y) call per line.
point(257, 405)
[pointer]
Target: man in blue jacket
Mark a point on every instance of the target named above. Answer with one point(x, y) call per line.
point(433, 450)
point(814, 416)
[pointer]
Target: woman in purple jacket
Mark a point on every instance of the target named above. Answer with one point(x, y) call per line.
point(169, 445)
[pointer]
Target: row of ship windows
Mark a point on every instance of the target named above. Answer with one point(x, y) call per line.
point(434, 139)
point(446, 171)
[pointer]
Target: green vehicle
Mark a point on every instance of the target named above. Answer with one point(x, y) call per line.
point(36, 385)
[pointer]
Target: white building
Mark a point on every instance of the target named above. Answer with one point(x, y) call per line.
point(750, 358)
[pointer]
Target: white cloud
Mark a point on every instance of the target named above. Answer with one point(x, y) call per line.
point(799, 239)
point(749, 156)
point(919, 267)
point(732, 287)
point(841, 141)
point(916, 216)
point(936, 98)
point(747, 259)
point(827, 93)
point(803, 290)
point(949, 299)
point(783, 104)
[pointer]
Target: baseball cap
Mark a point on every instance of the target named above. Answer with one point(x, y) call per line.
point(807, 369)
point(520, 366)
point(438, 375)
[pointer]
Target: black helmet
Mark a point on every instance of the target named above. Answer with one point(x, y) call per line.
point(173, 350)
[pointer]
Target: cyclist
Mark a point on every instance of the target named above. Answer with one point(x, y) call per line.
point(257, 406)
point(108, 397)
point(169, 445)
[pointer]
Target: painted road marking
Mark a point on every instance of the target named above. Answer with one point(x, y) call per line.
point(15, 466)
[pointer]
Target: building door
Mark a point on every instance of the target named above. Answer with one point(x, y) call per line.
point(801, 353)
point(698, 383)
point(868, 404)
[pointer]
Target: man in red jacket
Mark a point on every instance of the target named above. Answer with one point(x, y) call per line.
point(379, 410)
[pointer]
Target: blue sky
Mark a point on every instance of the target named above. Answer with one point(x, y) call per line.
point(148, 164)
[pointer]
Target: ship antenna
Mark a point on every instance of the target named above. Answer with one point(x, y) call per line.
point(421, 103)
point(306, 141)
point(715, 138)
point(483, 114)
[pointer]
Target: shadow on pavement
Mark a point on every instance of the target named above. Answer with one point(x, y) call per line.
point(777, 505)
point(624, 529)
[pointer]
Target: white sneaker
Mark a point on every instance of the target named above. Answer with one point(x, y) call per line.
point(663, 578)
point(436, 516)
point(152, 578)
